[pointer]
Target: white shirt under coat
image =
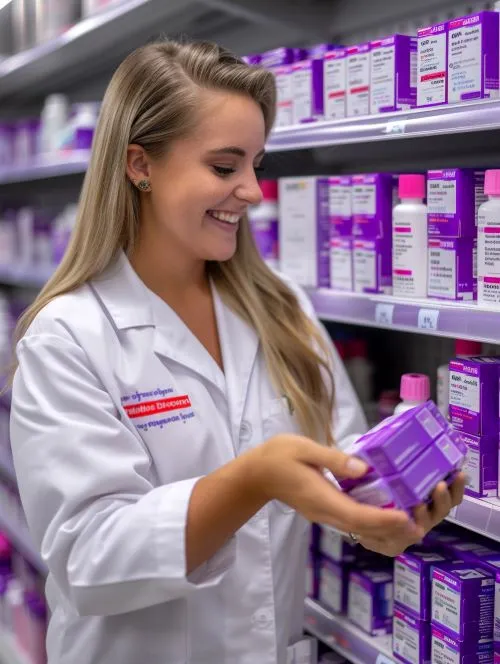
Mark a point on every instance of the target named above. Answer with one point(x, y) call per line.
point(106, 482)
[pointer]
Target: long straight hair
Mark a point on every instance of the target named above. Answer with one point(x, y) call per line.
point(151, 101)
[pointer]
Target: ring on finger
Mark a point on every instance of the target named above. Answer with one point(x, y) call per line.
point(355, 538)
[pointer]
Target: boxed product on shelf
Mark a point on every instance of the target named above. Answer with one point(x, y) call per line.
point(474, 395)
point(340, 205)
point(412, 581)
point(411, 638)
point(336, 546)
point(358, 80)
point(307, 85)
point(453, 198)
point(496, 612)
point(432, 65)
point(372, 265)
point(473, 62)
point(6, 144)
point(334, 584)
point(341, 264)
point(446, 648)
point(370, 600)
point(304, 232)
point(25, 139)
point(393, 67)
point(481, 465)
point(312, 575)
point(451, 269)
point(279, 61)
point(463, 601)
point(335, 84)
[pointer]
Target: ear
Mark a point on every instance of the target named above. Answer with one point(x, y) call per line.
point(137, 163)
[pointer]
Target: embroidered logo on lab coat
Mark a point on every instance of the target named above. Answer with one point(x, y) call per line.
point(159, 412)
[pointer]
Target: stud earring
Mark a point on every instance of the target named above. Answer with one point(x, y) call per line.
point(143, 185)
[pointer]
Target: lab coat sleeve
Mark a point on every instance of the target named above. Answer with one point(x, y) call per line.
point(112, 541)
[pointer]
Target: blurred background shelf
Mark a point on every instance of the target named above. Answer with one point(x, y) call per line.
point(46, 167)
point(21, 539)
point(25, 276)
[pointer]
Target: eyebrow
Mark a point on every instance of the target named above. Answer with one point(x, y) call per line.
point(233, 149)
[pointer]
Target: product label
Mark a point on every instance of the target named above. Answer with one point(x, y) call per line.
point(331, 590)
point(413, 69)
point(472, 470)
point(446, 608)
point(284, 92)
point(335, 88)
point(442, 271)
point(365, 267)
point(360, 607)
point(407, 587)
point(364, 199)
point(409, 251)
point(431, 80)
point(406, 641)
point(340, 200)
point(496, 633)
point(465, 391)
point(441, 653)
point(302, 93)
point(383, 78)
point(465, 63)
point(341, 267)
point(358, 84)
point(442, 197)
point(488, 259)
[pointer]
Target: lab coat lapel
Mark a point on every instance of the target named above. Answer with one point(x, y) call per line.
point(239, 345)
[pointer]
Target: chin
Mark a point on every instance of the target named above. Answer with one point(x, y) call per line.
point(220, 254)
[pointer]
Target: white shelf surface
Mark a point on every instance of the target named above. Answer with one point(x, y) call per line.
point(345, 638)
point(48, 166)
point(460, 320)
point(9, 651)
point(481, 515)
point(18, 534)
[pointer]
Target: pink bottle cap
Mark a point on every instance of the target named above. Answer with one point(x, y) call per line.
point(492, 182)
point(411, 186)
point(468, 348)
point(269, 189)
point(415, 387)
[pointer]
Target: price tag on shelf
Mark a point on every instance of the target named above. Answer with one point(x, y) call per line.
point(384, 313)
point(428, 319)
point(383, 659)
point(395, 127)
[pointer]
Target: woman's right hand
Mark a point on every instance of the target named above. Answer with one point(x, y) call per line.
point(290, 469)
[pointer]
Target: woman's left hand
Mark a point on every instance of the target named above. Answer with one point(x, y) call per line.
point(426, 517)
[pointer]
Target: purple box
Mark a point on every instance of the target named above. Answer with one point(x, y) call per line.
point(340, 205)
point(336, 547)
point(307, 86)
point(451, 269)
point(412, 581)
point(304, 230)
point(335, 84)
point(496, 618)
point(481, 465)
point(358, 80)
point(432, 65)
point(473, 57)
point(393, 80)
point(6, 144)
point(341, 264)
point(253, 59)
point(372, 197)
point(277, 57)
point(447, 649)
point(312, 575)
point(453, 198)
point(463, 601)
point(370, 601)
point(411, 638)
point(333, 585)
point(474, 395)
point(372, 265)
point(280, 61)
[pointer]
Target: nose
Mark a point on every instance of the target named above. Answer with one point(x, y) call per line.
point(249, 189)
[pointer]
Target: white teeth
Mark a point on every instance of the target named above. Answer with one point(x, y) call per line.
point(226, 216)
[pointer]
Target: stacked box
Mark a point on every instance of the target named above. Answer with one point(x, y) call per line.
point(340, 209)
point(307, 85)
point(432, 65)
point(370, 600)
point(335, 84)
point(358, 80)
point(393, 68)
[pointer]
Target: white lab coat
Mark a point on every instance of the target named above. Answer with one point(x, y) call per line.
point(117, 411)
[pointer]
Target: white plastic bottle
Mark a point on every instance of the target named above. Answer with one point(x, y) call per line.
point(463, 348)
point(53, 123)
point(488, 243)
point(409, 239)
point(264, 223)
point(415, 390)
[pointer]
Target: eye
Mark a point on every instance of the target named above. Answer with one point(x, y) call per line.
point(223, 170)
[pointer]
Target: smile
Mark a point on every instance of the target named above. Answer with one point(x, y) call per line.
point(228, 217)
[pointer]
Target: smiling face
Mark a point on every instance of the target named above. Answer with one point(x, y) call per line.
point(205, 182)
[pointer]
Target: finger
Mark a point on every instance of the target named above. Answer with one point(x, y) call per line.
point(441, 503)
point(366, 519)
point(457, 489)
point(423, 518)
point(339, 463)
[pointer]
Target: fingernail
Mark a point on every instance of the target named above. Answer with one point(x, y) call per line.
point(356, 466)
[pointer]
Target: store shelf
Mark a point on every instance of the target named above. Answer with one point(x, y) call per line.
point(46, 167)
point(27, 276)
point(7, 468)
point(21, 539)
point(438, 318)
point(479, 515)
point(9, 651)
point(416, 123)
point(349, 641)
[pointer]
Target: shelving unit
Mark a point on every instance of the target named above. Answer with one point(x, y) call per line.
point(47, 167)
point(25, 276)
point(344, 637)
point(9, 651)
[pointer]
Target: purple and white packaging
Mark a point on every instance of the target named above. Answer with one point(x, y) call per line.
point(336, 547)
point(496, 611)
point(358, 80)
point(447, 649)
point(253, 59)
point(304, 230)
point(307, 85)
point(452, 268)
point(463, 602)
point(481, 465)
point(372, 265)
point(280, 61)
point(370, 601)
point(333, 585)
point(26, 140)
point(432, 65)
point(473, 60)
point(453, 198)
point(341, 264)
point(340, 205)
point(393, 74)
point(312, 575)
point(335, 84)
point(372, 197)
point(6, 144)
point(411, 638)
point(474, 395)
point(412, 581)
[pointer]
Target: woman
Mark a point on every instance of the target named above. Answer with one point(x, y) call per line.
point(170, 389)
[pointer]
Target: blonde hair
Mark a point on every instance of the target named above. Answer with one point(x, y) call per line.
point(152, 100)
